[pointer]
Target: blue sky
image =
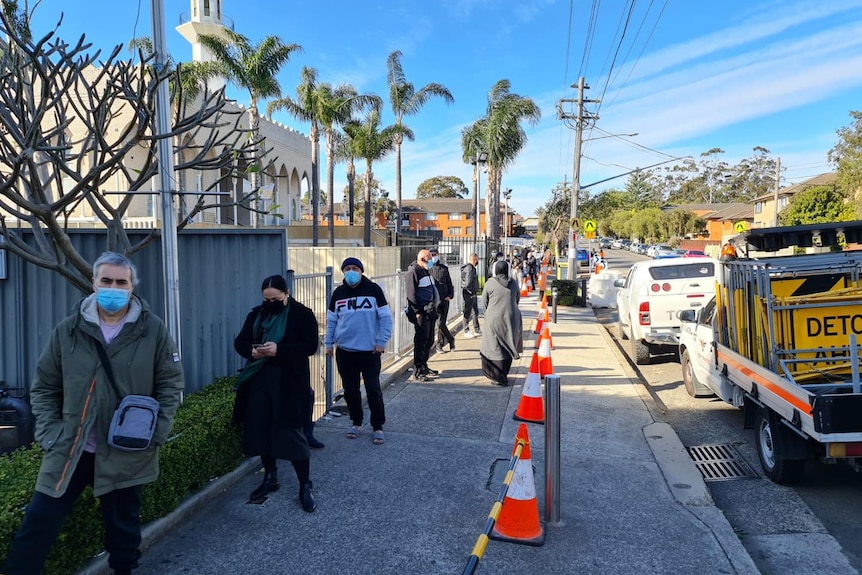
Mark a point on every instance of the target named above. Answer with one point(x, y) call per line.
point(688, 75)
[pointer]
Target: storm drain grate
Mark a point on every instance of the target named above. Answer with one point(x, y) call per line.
point(719, 462)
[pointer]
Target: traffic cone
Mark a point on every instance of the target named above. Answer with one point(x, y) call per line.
point(531, 407)
point(544, 353)
point(544, 302)
point(546, 333)
point(518, 520)
point(541, 319)
point(524, 292)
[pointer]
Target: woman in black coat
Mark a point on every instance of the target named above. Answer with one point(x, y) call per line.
point(273, 388)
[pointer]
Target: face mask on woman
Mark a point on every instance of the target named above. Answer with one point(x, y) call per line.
point(352, 277)
point(273, 307)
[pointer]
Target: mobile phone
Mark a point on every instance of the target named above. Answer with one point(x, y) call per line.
point(256, 345)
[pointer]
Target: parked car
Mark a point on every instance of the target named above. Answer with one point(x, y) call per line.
point(694, 254)
point(651, 294)
point(624, 244)
point(661, 251)
point(605, 243)
point(642, 249)
point(677, 253)
point(617, 244)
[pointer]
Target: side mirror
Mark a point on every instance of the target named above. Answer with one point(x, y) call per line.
point(687, 315)
point(620, 283)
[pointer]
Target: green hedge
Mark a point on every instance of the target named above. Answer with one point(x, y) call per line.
point(567, 292)
point(203, 445)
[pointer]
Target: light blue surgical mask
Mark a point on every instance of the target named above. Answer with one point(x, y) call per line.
point(352, 277)
point(112, 299)
point(434, 260)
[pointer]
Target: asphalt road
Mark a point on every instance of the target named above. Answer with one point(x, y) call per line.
point(781, 526)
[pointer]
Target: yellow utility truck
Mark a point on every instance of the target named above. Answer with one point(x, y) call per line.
point(780, 340)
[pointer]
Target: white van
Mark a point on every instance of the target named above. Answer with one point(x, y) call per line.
point(651, 294)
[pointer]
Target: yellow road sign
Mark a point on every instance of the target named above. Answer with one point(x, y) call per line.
point(590, 226)
point(590, 235)
point(740, 227)
point(575, 223)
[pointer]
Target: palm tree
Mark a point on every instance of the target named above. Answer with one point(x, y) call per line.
point(253, 68)
point(406, 101)
point(325, 107)
point(372, 142)
point(499, 134)
point(344, 153)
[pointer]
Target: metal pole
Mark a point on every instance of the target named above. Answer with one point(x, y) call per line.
point(552, 450)
point(554, 305)
point(478, 200)
point(576, 180)
point(329, 371)
point(170, 263)
point(777, 186)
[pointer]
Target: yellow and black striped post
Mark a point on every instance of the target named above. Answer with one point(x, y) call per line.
point(482, 541)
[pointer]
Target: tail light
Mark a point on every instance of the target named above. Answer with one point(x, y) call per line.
point(643, 313)
point(655, 288)
point(839, 450)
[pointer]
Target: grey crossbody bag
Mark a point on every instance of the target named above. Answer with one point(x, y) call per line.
point(134, 421)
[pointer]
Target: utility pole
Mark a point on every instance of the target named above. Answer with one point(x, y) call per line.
point(580, 116)
point(170, 265)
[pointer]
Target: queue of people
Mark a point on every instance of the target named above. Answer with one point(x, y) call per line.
point(114, 335)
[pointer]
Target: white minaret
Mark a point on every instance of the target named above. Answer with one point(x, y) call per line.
point(206, 19)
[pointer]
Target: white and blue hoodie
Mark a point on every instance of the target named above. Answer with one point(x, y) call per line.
point(358, 317)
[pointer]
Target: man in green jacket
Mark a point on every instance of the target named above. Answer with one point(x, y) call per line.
point(73, 401)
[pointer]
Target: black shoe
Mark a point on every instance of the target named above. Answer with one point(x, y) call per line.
point(452, 345)
point(420, 376)
point(269, 484)
point(306, 497)
point(428, 371)
point(442, 350)
point(309, 436)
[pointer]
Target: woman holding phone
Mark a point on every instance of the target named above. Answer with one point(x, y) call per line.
point(273, 388)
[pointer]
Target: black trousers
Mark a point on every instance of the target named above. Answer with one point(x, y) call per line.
point(471, 309)
point(365, 364)
point(423, 339)
point(121, 512)
point(443, 335)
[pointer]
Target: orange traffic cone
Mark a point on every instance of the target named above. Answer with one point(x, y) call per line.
point(541, 319)
point(518, 521)
point(544, 353)
point(524, 292)
point(546, 333)
point(532, 285)
point(544, 302)
point(543, 280)
point(531, 407)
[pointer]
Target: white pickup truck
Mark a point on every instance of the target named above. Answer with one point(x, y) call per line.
point(779, 339)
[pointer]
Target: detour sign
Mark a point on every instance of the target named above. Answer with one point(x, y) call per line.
point(820, 329)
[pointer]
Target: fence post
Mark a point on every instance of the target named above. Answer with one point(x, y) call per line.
point(329, 383)
point(289, 280)
point(552, 450)
point(398, 313)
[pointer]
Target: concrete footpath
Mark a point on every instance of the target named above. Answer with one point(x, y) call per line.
point(632, 501)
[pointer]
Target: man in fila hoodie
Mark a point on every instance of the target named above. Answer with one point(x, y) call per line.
point(358, 325)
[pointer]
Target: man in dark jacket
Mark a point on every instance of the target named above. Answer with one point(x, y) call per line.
point(446, 291)
point(422, 301)
point(470, 294)
point(73, 402)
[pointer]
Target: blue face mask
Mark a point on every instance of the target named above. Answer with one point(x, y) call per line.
point(112, 299)
point(434, 260)
point(352, 277)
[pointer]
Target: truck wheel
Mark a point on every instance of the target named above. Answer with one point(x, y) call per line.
point(623, 333)
point(640, 350)
point(692, 386)
point(768, 438)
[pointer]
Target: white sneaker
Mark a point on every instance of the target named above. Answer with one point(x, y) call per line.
point(469, 335)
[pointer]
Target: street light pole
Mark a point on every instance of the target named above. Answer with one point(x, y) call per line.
point(777, 186)
point(506, 195)
point(170, 265)
point(478, 162)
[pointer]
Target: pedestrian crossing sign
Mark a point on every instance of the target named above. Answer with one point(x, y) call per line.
point(740, 227)
point(590, 226)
